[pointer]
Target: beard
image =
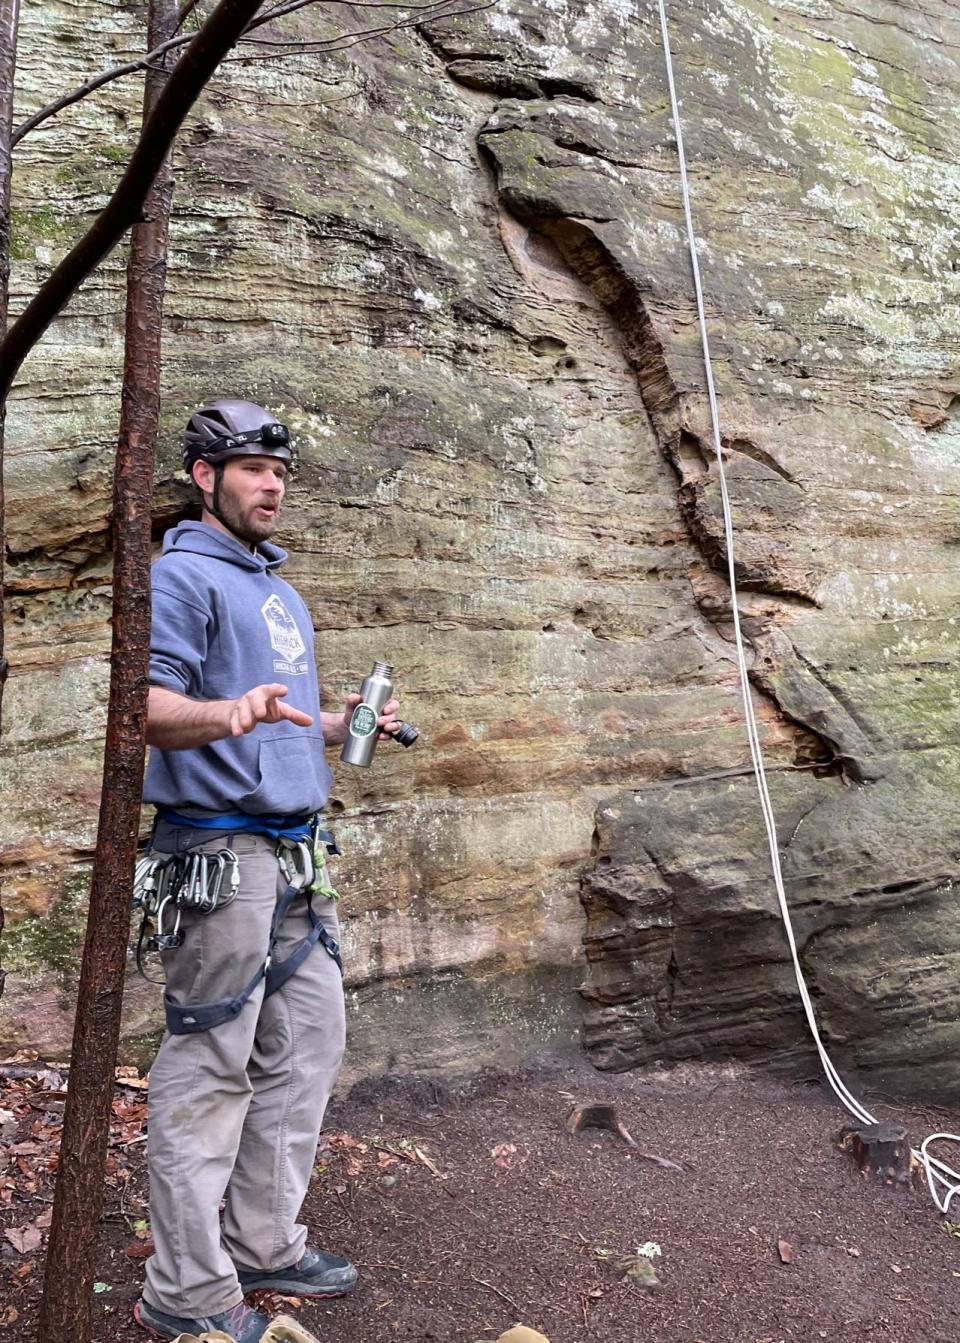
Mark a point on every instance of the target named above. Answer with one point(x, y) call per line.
point(241, 519)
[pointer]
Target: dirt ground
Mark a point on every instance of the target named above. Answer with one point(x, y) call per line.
point(469, 1208)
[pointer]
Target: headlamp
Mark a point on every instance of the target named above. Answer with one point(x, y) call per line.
point(271, 436)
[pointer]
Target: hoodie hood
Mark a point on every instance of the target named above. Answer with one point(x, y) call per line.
point(199, 538)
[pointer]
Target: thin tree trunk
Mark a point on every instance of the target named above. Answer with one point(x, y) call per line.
point(9, 22)
point(65, 1312)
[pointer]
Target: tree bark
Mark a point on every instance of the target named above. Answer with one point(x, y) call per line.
point(9, 23)
point(65, 1311)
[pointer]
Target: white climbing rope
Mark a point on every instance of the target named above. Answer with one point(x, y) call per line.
point(943, 1181)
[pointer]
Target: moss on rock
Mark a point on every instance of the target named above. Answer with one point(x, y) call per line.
point(53, 941)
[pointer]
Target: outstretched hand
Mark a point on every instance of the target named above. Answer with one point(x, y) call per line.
point(264, 704)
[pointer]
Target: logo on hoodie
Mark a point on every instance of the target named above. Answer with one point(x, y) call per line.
point(285, 637)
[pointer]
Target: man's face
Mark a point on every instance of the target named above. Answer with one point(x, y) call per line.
point(251, 493)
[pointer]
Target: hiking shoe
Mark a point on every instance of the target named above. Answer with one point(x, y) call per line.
point(316, 1274)
point(241, 1323)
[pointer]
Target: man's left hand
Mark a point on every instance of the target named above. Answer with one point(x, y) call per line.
point(387, 722)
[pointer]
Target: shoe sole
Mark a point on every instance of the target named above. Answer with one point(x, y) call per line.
point(297, 1289)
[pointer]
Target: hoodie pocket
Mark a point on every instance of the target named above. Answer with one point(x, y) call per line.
point(292, 776)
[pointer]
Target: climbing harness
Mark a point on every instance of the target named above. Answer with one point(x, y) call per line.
point(942, 1180)
point(165, 884)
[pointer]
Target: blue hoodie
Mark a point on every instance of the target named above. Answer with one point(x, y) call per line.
point(224, 621)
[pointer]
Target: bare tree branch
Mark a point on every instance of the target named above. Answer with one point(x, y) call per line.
point(186, 10)
point(96, 82)
point(9, 21)
point(430, 10)
point(205, 52)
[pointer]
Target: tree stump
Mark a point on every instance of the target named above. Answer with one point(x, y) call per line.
point(598, 1115)
point(881, 1151)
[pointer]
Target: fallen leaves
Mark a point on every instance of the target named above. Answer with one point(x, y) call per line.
point(346, 1156)
point(24, 1239)
point(349, 1150)
point(274, 1303)
point(141, 1247)
point(31, 1123)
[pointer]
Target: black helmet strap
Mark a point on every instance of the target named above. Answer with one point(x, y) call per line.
point(214, 506)
point(215, 501)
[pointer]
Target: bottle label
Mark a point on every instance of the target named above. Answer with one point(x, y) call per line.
point(363, 722)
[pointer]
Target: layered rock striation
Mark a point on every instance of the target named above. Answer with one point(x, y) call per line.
point(453, 258)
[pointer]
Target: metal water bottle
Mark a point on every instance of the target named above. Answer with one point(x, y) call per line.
point(362, 734)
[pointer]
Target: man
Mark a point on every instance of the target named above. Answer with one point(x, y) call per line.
point(237, 771)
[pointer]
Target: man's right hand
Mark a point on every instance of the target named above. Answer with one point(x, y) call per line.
point(176, 723)
point(264, 704)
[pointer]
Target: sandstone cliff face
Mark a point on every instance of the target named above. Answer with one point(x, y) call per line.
point(454, 260)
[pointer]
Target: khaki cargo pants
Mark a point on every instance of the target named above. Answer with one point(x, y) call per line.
point(235, 1112)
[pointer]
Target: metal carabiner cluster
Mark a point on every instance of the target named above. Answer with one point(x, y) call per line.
point(156, 884)
point(203, 876)
point(165, 884)
point(296, 862)
point(304, 864)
